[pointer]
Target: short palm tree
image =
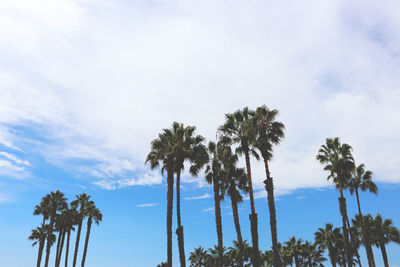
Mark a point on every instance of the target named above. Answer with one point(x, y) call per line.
point(93, 214)
point(43, 208)
point(82, 202)
point(362, 180)
point(241, 130)
point(270, 132)
point(162, 153)
point(198, 257)
point(187, 147)
point(312, 255)
point(57, 202)
point(325, 238)
point(383, 233)
point(39, 236)
point(215, 175)
point(295, 245)
point(338, 160)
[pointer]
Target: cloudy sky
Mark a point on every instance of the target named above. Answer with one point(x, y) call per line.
point(85, 85)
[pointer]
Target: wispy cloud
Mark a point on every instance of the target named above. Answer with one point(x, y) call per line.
point(208, 209)
point(206, 195)
point(146, 205)
point(13, 166)
point(5, 198)
point(145, 179)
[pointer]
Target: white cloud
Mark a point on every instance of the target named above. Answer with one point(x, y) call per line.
point(208, 209)
point(99, 90)
point(206, 195)
point(146, 205)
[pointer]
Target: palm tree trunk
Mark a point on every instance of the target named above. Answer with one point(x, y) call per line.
point(61, 249)
point(253, 215)
point(170, 199)
point(39, 259)
point(238, 231)
point(269, 186)
point(332, 255)
point(343, 212)
point(89, 226)
point(49, 234)
point(58, 247)
point(179, 230)
point(218, 222)
point(352, 239)
point(78, 236)
point(296, 260)
point(367, 244)
point(67, 248)
point(384, 255)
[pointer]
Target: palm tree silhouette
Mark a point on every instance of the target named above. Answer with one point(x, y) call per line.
point(294, 246)
point(93, 214)
point(82, 202)
point(339, 162)
point(57, 202)
point(162, 153)
point(198, 257)
point(325, 237)
point(241, 130)
point(39, 236)
point(270, 132)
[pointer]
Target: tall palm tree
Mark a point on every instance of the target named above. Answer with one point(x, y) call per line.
point(39, 236)
point(362, 180)
point(234, 182)
point(339, 161)
point(60, 228)
point(43, 208)
point(270, 132)
point(383, 233)
point(93, 214)
point(241, 129)
point(215, 175)
point(57, 202)
point(198, 257)
point(294, 245)
point(325, 237)
point(162, 153)
point(72, 218)
point(187, 146)
point(82, 202)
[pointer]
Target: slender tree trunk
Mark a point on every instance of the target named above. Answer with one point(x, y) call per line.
point(253, 215)
point(353, 241)
point(170, 200)
point(218, 222)
point(384, 255)
point(89, 226)
point(296, 260)
point(179, 230)
point(365, 236)
point(332, 255)
point(78, 236)
point(49, 234)
point(343, 212)
point(61, 248)
point(67, 248)
point(269, 187)
point(238, 231)
point(39, 259)
point(58, 247)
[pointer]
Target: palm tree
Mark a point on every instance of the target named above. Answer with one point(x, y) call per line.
point(312, 255)
point(362, 180)
point(82, 202)
point(325, 238)
point(187, 146)
point(383, 233)
point(270, 132)
point(93, 214)
point(339, 161)
point(198, 257)
point(162, 152)
point(235, 180)
point(162, 264)
point(294, 245)
point(39, 236)
point(60, 228)
point(241, 129)
point(43, 208)
point(57, 202)
point(215, 175)
point(72, 218)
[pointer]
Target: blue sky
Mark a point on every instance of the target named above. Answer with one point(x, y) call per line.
point(85, 85)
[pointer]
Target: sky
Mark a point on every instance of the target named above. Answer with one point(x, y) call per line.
point(85, 85)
